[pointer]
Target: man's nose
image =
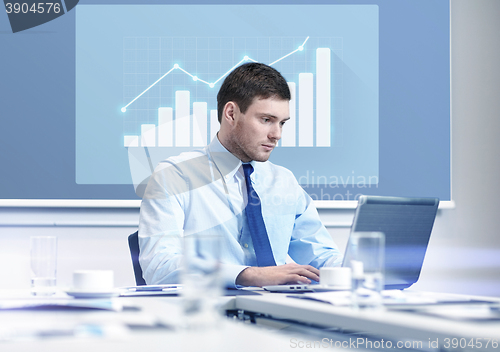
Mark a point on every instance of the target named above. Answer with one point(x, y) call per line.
point(275, 132)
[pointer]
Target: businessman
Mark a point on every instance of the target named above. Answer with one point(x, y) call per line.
point(231, 190)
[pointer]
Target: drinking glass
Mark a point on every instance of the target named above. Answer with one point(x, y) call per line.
point(201, 280)
point(367, 256)
point(43, 265)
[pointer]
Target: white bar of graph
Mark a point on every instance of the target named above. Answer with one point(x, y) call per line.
point(182, 119)
point(200, 124)
point(214, 124)
point(288, 134)
point(323, 97)
point(148, 135)
point(306, 106)
point(165, 127)
point(131, 141)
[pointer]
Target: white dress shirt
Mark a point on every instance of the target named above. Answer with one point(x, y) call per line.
point(204, 192)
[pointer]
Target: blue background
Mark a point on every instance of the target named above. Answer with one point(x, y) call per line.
point(37, 106)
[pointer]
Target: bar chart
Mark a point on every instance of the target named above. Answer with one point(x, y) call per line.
point(147, 89)
point(185, 120)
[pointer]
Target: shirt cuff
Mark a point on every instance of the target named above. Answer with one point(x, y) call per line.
point(230, 272)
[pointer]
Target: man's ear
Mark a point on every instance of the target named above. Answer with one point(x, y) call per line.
point(230, 112)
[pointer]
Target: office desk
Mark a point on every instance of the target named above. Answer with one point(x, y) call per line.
point(234, 337)
point(152, 326)
point(387, 324)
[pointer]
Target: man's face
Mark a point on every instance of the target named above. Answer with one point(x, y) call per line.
point(258, 130)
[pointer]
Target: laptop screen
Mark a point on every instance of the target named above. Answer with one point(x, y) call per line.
point(407, 224)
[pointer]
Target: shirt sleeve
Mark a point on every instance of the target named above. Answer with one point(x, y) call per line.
point(161, 227)
point(311, 243)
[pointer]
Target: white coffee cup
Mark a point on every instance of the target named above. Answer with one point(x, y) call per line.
point(93, 280)
point(335, 277)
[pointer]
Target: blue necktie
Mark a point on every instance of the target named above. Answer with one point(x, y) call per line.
point(253, 210)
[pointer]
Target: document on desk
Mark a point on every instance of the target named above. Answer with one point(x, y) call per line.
point(336, 298)
point(465, 312)
point(61, 303)
point(150, 290)
point(35, 318)
point(394, 298)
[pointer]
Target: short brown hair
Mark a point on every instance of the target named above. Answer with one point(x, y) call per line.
point(249, 81)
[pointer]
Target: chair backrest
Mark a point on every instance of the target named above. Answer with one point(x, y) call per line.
point(133, 244)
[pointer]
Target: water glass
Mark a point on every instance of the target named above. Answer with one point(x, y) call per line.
point(367, 261)
point(43, 265)
point(201, 280)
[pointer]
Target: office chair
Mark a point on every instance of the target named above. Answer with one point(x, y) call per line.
point(133, 244)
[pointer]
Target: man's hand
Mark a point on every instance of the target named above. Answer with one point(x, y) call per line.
point(277, 275)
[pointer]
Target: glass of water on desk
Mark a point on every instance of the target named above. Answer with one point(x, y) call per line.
point(201, 280)
point(43, 265)
point(367, 259)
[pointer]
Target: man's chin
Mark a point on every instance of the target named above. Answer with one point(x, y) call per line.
point(262, 157)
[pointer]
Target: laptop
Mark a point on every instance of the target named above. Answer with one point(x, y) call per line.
point(407, 224)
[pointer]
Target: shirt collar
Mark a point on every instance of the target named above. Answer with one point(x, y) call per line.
point(226, 162)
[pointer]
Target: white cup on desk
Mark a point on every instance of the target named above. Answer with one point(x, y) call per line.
point(93, 280)
point(335, 277)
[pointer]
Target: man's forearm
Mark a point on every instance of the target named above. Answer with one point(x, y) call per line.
point(277, 275)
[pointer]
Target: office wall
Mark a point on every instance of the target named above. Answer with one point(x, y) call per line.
point(466, 256)
point(464, 253)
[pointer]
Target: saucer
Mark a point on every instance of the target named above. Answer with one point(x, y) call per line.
point(93, 294)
